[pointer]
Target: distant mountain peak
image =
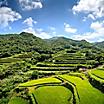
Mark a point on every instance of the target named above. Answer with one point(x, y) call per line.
point(54, 38)
point(83, 40)
point(61, 37)
point(26, 34)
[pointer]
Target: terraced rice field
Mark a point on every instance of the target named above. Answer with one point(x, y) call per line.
point(87, 93)
point(40, 81)
point(97, 78)
point(63, 89)
point(53, 95)
point(73, 88)
point(54, 68)
point(9, 60)
point(98, 73)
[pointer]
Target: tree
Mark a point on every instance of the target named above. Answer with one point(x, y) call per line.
point(35, 74)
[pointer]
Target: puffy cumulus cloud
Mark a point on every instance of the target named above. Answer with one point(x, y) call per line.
point(96, 35)
point(94, 8)
point(69, 29)
point(8, 15)
point(29, 30)
point(43, 35)
point(91, 37)
point(98, 27)
point(30, 4)
point(38, 32)
point(29, 22)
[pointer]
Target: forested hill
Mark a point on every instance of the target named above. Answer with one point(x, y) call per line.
point(62, 42)
point(26, 42)
point(23, 42)
point(100, 44)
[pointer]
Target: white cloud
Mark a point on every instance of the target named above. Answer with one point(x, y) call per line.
point(54, 33)
point(96, 35)
point(43, 35)
point(94, 8)
point(29, 21)
point(29, 30)
point(40, 29)
point(38, 32)
point(98, 26)
point(52, 28)
point(30, 4)
point(91, 16)
point(91, 37)
point(69, 29)
point(8, 15)
point(84, 19)
point(100, 39)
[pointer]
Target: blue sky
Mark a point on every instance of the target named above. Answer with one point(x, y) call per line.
point(75, 19)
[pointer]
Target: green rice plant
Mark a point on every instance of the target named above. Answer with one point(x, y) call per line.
point(53, 95)
point(53, 72)
point(96, 77)
point(71, 86)
point(98, 73)
point(43, 64)
point(70, 62)
point(9, 60)
point(54, 68)
point(87, 93)
point(40, 81)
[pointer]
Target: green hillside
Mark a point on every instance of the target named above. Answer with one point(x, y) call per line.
point(23, 42)
point(51, 71)
point(100, 44)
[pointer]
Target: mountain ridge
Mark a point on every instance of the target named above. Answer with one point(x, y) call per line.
point(27, 42)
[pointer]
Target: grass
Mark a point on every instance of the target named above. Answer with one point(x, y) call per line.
point(46, 64)
point(87, 93)
point(9, 60)
point(40, 81)
point(95, 77)
point(53, 95)
point(70, 62)
point(53, 68)
point(40, 64)
point(58, 64)
point(17, 100)
point(98, 73)
point(53, 72)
